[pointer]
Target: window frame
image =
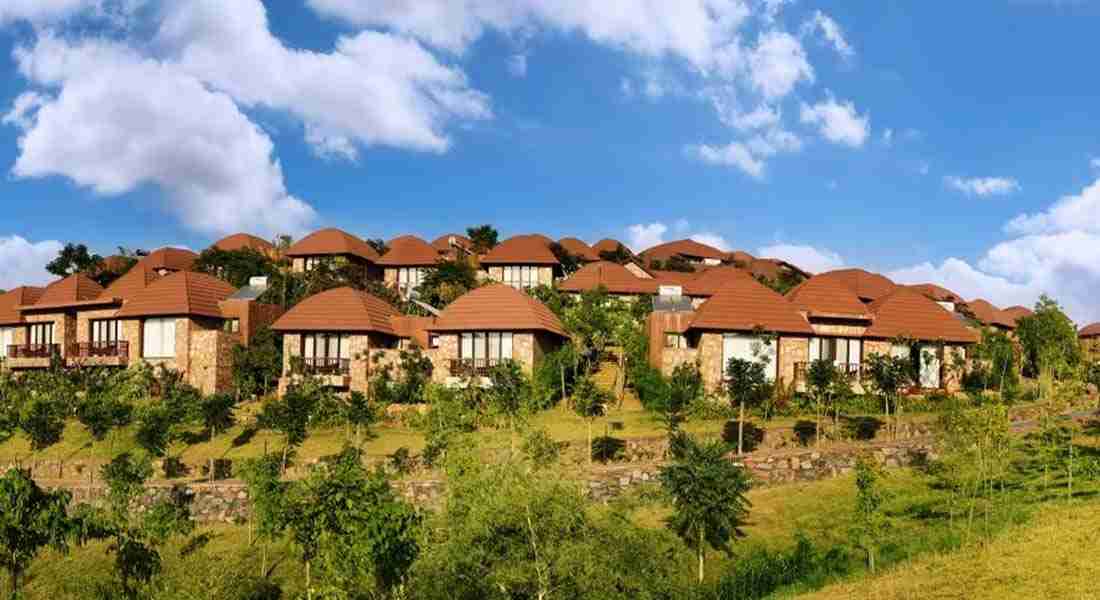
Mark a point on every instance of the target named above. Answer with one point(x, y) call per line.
point(485, 337)
point(44, 327)
point(161, 323)
point(111, 327)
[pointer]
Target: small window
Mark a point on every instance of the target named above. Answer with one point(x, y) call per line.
point(40, 334)
point(232, 325)
point(433, 340)
point(672, 340)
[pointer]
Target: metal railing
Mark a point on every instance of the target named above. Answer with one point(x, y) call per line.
point(115, 349)
point(474, 366)
point(326, 366)
point(33, 350)
point(853, 371)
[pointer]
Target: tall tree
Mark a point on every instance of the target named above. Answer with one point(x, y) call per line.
point(72, 259)
point(31, 519)
point(871, 522)
point(745, 385)
point(569, 262)
point(589, 401)
point(887, 374)
point(619, 255)
point(821, 378)
point(1049, 341)
point(484, 238)
point(235, 267)
point(708, 493)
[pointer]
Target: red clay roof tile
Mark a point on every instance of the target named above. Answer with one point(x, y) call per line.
point(239, 241)
point(906, 313)
point(827, 297)
point(133, 282)
point(340, 309)
point(521, 250)
point(609, 245)
point(612, 276)
point(71, 290)
point(498, 307)
point(936, 293)
point(20, 296)
point(409, 250)
point(578, 248)
point(685, 248)
point(710, 281)
point(868, 286)
point(744, 304)
point(1089, 331)
point(1017, 312)
point(443, 242)
point(988, 314)
point(332, 242)
point(171, 259)
point(183, 293)
point(413, 328)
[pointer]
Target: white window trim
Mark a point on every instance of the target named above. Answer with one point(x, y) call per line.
point(166, 348)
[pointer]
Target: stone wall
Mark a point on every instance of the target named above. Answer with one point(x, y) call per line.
point(710, 361)
point(792, 350)
point(64, 331)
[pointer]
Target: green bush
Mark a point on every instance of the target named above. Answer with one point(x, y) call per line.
point(764, 571)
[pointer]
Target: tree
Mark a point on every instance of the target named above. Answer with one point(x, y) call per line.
point(235, 267)
point(267, 496)
point(446, 281)
point(216, 413)
point(359, 412)
point(290, 414)
point(30, 519)
point(589, 401)
point(1049, 341)
point(589, 323)
point(821, 378)
point(73, 259)
point(871, 522)
point(484, 238)
point(685, 386)
point(509, 396)
point(745, 385)
point(378, 244)
point(258, 366)
point(42, 420)
point(619, 255)
point(103, 412)
point(570, 262)
point(887, 375)
point(708, 493)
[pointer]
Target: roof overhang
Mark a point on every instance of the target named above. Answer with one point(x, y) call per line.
point(62, 305)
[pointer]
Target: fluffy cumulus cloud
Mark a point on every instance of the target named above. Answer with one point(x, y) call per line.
point(814, 260)
point(646, 235)
point(838, 122)
point(23, 262)
point(982, 186)
point(112, 120)
point(748, 156)
point(37, 11)
point(1051, 252)
point(831, 31)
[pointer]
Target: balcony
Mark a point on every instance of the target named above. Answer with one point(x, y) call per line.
point(326, 366)
point(474, 367)
point(31, 356)
point(99, 353)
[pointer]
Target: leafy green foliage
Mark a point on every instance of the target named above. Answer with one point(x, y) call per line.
point(708, 494)
point(484, 238)
point(235, 267)
point(42, 420)
point(216, 412)
point(871, 522)
point(72, 259)
point(570, 262)
point(446, 281)
point(1049, 340)
point(101, 413)
point(553, 377)
point(619, 255)
point(31, 519)
point(746, 385)
point(258, 366)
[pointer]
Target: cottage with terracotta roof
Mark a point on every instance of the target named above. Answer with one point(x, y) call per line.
point(170, 260)
point(406, 263)
point(1090, 340)
point(866, 285)
point(491, 324)
point(13, 329)
point(345, 335)
point(243, 241)
point(453, 246)
point(49, 322)
point(726, 326)
point(690, 250)
point(839, 320)
point(989, 315)
point(616, 279)
point(523, 261)
point(335, 247)
point(578, 248)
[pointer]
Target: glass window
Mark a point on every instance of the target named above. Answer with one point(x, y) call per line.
point(749, 347)
point(506, 345)
point(325, 345)
point(104, 331)
point(158, 338)
point(7, 338)
point(40, 334)
point(482, 345)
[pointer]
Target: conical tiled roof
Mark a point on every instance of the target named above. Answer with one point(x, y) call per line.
point(609, 245)
point(497, 307)
point(521, 250)
point(133, 282)
point(906, 313)
point(443, 242)
point(239, 241)
point(827, 297)
point(708, 282)
point(868, 286)
point(340, 309)
point(1017, 312)
point(409, 250)
point(935, 292)
point(1089, 331)
point(71, 290)
point(612, 276)
point(744, 304)
point(170, 259)
point(578, 248)
point(686, 248)
point(332, 242)
point(183, 293)
point(984, 311)
point(20, 296)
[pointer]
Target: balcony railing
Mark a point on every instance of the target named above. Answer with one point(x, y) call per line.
point(465, 367)
point(854, 371)
point(119, 349)
point(34, 350)
point(326, 366)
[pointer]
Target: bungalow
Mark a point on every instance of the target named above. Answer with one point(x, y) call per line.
point(453, 246)
point(867, 286)
point(406, 263)
point(49, 322)
point(727, 326)
point(1017, 312)
point(688, 250)
point(935, 337)
point(523, 261)
point(838, 319)
point(610, 246)
point(188, 322)
point(335, 247)
point(344, 335)
point(491, 324)
point(940, 295)
point(578, 248)
point(240, 241)
point(170, 260)
point(613, 277)
point(985, 313)
point(1090, 340)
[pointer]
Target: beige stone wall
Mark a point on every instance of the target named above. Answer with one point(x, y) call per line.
point(710, 360)
point(211, 357)
point(360, 350)
point(1091, 347)
point(792, 350)
point(442, 356)
point(674, 357)
point(952, 379)
point(389, 276)
point(872, 347)
point(837, 330)
point(523, 350)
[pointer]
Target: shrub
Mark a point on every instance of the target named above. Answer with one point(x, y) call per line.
point(764, 571)
point(540, 448)
point(556, 368)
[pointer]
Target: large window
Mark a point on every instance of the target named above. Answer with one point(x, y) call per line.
point(105, 332)
point(409, 278)
point(7, 338)
point(40, 334)
point(749, 347)
point(485, 347)
point(158, 338)
point(841, 351)
point(325, 346)
point(521, 276)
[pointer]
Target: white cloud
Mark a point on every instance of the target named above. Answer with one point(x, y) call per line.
point(374, 88)
point(24, 263)
point(982, 186)
point(1080, 212)
point(734, 154)
point(814, 260)
point(778, 63)
point(37, 11)
point(712, 239)
point(642, 236)
point(888, 136)
point(960, 277)
point(113, 121)
point(838, 122)
point(517, 65)
point(832, 33)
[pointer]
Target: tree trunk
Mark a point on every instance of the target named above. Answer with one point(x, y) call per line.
point(871, 559)
point(741, 429)
point(700, 555)
point(309, 583)
point(589, 442)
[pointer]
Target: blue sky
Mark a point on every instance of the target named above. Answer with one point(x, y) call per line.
point(952, 146)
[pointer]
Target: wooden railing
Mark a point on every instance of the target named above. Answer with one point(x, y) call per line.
point(118, 349)
point(326, 366)
point(464, 367)
point(34, 350)
point(853, 371)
